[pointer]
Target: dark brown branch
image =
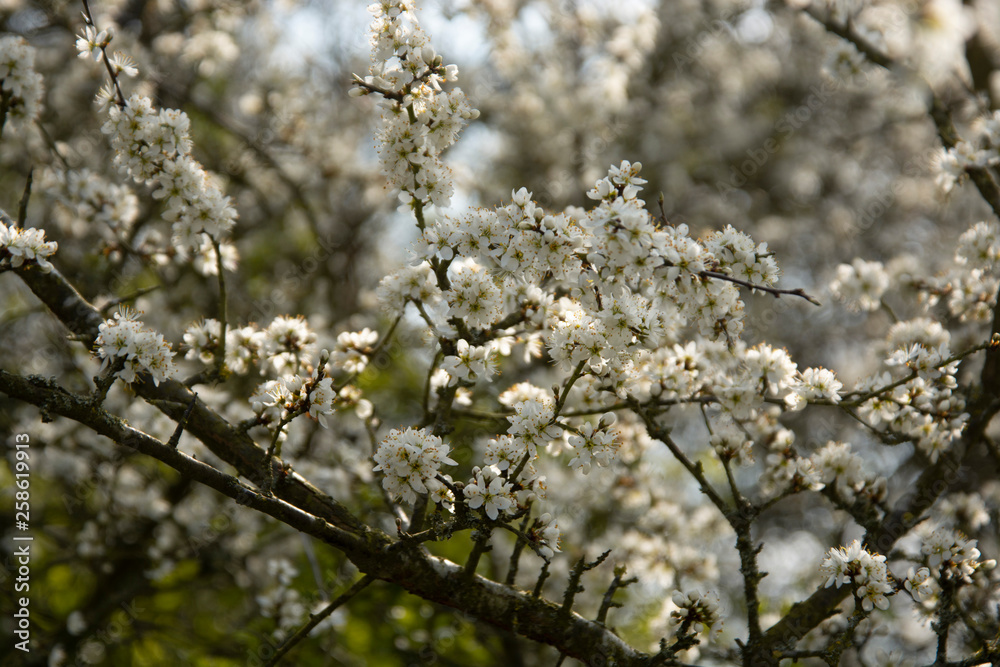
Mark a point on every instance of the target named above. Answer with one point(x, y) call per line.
point(607, 602)
point(300, 505)
point(172, 398)
point(799, 292)
point(429, 577)
point(22, 207)
point(57, 401)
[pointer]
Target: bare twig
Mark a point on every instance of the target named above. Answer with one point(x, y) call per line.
point(799, 292)
point(319, 617)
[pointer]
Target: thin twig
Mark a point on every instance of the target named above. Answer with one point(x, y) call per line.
point(22, 207)
point(316, 619)
point(799, 292)
point(220, 358)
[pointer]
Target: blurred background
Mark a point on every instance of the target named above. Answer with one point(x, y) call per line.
point(742, 113)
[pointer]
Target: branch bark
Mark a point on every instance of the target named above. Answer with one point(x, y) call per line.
point(299, 504)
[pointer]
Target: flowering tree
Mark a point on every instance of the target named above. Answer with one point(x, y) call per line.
point(576, 423)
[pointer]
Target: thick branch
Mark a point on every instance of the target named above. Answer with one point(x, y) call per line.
point(173, 399)
point(300, 505)
point(434, 579)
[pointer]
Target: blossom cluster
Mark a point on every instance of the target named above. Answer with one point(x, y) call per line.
point(19, 246)
point(946, 555)
point(93, 203)
point(410, 459)
point(864, 571)
point(352, 350)
point(20, 85)
point(153, 147)
point(490, 490)
point(545, 535)
point(970, 288)
point(284, 346)
point(695, 609)
point(837, 464)
point(474, 296)
point(420, 120)
point(124, 341)
point(925, 407)
point(634, 283)
point(469, 363)
point(951, 555)
point(977, 152)
point(861, 284)
point(594, 443)
point(277, 401)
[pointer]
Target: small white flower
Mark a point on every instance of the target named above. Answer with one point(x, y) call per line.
point(90, 44)
point(490, 491)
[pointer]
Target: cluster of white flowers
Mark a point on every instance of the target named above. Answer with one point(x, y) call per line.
point(965, 509)
point(351, 351)
point(504, 452)
point(490, 490)
point(740, 378)
point(694, 609)
point(840, 466)
point(124, 340)
point(861, 284)
point(284, 347)
point(945, 554)
point(952, 163)
point(20, 84)
point(971, 287)
point(474, 297)
point(93, 204)
point(153, 147)
point(737, 256)
point(979, 151)
point(924, 408)
point(409, 460)
point(410, 283)
point(861, 569)
point(469, 363)
point(979, 246)
point(785, 469)
point(813, 384)
point(730, 443)
point(545, 535)
point(920, 583)
point(675, 371)
point(632, 284)
point(19, 246)
point(594, 443)
point(202, 340)
point(420, 120)
point(532, 424)
point(276, 401)
point(951, 555)
point(287, 343)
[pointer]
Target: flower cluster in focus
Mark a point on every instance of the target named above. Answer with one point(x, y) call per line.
point(124, 341)
point(19, 246)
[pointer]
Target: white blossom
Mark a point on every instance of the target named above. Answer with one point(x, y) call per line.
point(490, 491)
point(409, 460)
point(19, 246)
point(124, 340)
